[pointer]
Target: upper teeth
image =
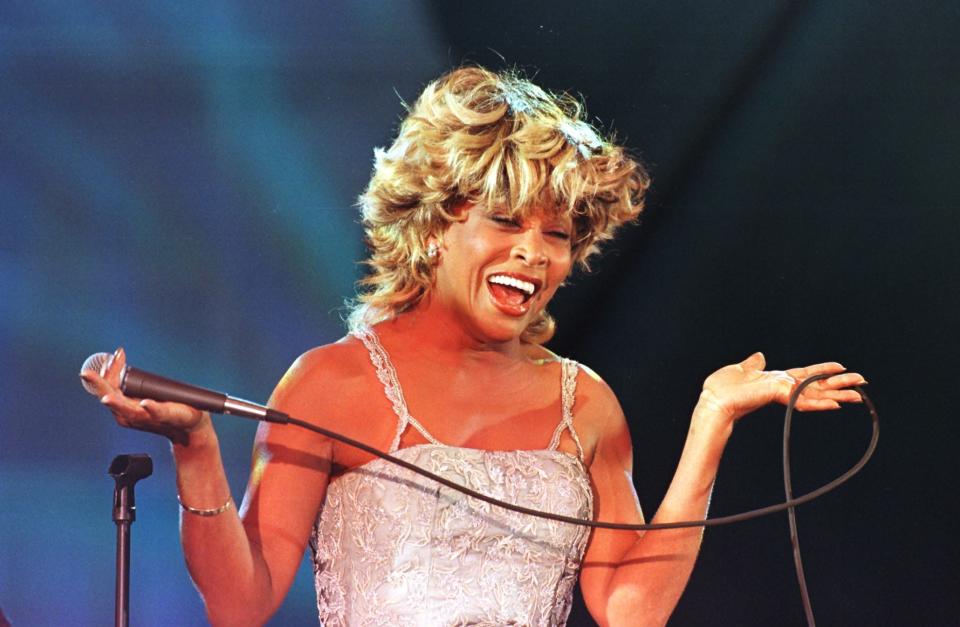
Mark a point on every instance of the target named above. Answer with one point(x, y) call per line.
point(526, 286)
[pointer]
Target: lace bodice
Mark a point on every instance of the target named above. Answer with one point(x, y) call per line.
point(394, 548)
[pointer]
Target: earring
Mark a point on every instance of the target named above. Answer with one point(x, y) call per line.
point(433, 251)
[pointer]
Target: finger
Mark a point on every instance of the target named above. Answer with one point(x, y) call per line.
point(154, 410)
point(124, 408)
point(830, 367)
point(755, 361)
point(115, 367)
point(844, 380)
point(168, 412)
point(817, 404)
point(841, 396)
point(93, 379)
point(849, 396)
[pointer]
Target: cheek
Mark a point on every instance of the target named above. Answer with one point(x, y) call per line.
point(557, 276)
point(562, 267)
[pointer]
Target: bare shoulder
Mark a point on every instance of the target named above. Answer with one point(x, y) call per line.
point(594, 396)
point(322, 377)
point(598, 416)
point(343, 358)
point(597, 412)
point(336, 387)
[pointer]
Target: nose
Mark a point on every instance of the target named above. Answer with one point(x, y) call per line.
point(530, 248)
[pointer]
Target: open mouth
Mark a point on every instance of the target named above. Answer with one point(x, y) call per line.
point(511, 292)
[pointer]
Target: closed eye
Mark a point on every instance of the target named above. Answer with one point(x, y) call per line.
point(505, 221)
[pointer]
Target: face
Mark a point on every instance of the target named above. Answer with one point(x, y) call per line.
point(496, 273)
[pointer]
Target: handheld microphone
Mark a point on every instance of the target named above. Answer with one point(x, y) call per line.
point(142, 384)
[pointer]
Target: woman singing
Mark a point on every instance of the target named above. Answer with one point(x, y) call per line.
point(491, 193)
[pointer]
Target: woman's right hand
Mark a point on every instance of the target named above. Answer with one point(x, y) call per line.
point(175, 421)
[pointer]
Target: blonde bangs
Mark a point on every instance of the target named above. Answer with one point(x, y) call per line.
point(498, 141)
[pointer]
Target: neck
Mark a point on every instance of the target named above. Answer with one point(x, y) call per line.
point(430, 328)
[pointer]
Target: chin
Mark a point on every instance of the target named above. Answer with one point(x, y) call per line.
point(504, 329)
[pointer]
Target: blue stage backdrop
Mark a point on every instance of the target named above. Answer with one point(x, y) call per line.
point(179, 178)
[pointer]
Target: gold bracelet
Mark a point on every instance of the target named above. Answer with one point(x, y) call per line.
point(206, 512)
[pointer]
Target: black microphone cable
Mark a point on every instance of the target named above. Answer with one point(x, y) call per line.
point(140, 383)
point(789, 504)
point(788, 484)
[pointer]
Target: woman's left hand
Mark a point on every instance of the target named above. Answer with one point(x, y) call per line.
point(739, 389)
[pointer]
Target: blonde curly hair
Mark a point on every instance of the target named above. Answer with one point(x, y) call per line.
point(496, 140)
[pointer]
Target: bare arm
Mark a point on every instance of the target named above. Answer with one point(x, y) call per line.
point(243, 562)
point(637, 579)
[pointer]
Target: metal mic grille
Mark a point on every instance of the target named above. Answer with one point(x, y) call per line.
point(98, 363)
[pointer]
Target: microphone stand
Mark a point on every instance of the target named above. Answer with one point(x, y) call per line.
point(126, 470)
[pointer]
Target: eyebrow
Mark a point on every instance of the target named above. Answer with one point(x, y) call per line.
point(558, 216)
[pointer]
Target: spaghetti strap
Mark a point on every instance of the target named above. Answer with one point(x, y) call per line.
point(568, 389)
point(387, 375)
point(391, 385)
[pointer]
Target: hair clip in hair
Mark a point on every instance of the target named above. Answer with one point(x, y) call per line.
point(515, 100)
point(582, 136)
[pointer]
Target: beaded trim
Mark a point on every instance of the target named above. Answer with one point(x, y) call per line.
point(568, 390)
point(387, 375)
point(391, 386)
